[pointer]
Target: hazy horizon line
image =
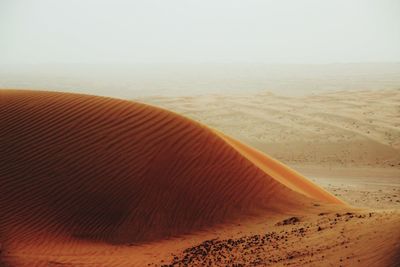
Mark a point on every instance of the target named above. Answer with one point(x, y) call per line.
point(201, 63)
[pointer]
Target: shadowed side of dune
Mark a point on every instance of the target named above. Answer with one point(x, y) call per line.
point(98, 168)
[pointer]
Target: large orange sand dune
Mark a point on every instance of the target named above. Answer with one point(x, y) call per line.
point(77, 168)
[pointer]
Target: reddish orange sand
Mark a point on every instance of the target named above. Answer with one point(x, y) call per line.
point(78, 172)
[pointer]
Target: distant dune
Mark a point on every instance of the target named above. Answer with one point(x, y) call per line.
point(79, 171)
point(336, 129)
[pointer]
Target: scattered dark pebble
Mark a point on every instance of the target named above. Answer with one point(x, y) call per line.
point(291, 220)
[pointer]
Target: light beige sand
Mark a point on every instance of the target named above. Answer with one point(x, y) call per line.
point(376, 188)
point(340, 129)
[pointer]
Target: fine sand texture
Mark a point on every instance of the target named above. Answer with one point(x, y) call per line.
point(95, 181)
point(336, 129)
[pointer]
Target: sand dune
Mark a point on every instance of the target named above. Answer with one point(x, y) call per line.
point(78, 169)
point(93, 181)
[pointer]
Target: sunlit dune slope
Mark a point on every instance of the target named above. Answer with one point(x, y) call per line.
point(86, 167)
point(281, 172)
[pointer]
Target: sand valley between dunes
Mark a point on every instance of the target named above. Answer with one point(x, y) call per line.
point(262, 180)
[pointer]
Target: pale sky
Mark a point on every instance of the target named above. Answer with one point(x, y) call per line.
point(137, 31)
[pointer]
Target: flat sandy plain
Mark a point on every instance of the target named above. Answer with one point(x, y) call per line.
point(94, 181)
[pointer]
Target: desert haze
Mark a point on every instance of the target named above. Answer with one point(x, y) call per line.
point(130, 81)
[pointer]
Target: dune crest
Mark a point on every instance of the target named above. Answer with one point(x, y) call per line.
point(282, 173)
point(84, 167)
